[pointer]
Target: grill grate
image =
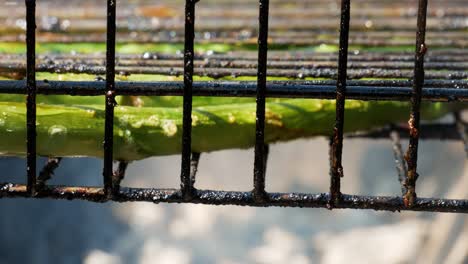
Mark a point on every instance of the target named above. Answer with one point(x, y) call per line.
point(341, 90)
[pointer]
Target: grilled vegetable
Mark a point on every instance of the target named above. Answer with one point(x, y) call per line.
point(141, 132)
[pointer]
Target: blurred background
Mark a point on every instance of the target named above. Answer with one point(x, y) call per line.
point(47, 231)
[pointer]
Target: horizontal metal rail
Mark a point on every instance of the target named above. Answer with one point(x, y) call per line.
point(217, 73)
point(303, 200)
point(236, 89)
point(63, 65)
point(213, 67)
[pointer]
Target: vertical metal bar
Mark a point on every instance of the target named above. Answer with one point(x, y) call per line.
point(31, 96)
point(195, 160)
point(118, 176)
point(411, 156)
point(336, 148)
point(402, 171)
point(186, 184)
point(260, 149)
point(110, 96)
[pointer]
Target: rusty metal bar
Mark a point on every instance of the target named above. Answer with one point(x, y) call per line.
point(387, 203)
point(260, 149)
point(31, 94)
point(134, 66)
point(186, 185)
point(360, 90)
point(336, 147)
point(217, 73)
point(110, 96)
point(218, 69)
point(411, 156)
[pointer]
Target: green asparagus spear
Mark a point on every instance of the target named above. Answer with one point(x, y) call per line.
point(151, 131)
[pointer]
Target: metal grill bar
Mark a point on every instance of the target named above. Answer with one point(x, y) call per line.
point(301, 73)
point(412, 153)
point(31, 94)
point(312, 89)
point(76, 64)
point(110, 96)
point(260, 149)
point(186, 181)
point(336, 148)
point(387, 203)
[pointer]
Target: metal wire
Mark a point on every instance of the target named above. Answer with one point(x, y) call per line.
point(411, 156)
point(336, 147)
point(137, 64)
point(212, 197)
point(186, 181)
point(220, 72)
point(260, 149)
point(31, 94)
point(110, 97)
point(376, 90)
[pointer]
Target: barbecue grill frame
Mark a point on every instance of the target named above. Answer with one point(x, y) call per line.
point(111, 191)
